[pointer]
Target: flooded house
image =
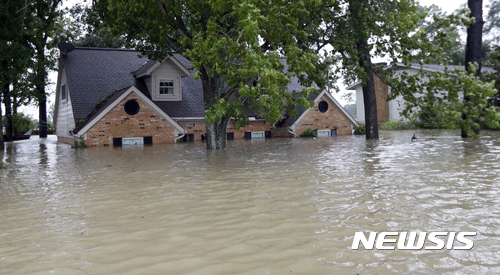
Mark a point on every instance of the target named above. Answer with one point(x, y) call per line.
point(388, 110)
point(113, 97)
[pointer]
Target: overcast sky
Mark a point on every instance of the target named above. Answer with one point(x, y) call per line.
point(447, 5)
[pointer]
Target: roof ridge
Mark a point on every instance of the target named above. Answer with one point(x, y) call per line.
point(105, 49)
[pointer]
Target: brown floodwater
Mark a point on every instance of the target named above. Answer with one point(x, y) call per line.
point(275, 206)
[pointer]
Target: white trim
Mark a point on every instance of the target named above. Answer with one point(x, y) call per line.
point(258, 132)
point(178, 128)
point(323, 130)
point(188, 118)
point(171, 58)
point(177, 89)
point(141, 138)
point(335, 102)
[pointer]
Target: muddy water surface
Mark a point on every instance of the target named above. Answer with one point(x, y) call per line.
point(277, 206)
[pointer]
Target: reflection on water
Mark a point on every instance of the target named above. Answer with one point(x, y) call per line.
point(260, 207)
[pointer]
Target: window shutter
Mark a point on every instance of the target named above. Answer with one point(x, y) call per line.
point(230, 136)
point(268, 134)
point(248, 135)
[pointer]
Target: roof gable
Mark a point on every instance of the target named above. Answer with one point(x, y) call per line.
point(116, 99)
point(149, 67)
point(335, 102)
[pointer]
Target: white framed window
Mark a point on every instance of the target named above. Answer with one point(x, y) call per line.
point(323, 133)
point(166, 86)
point(132, 141)
point(258, 135)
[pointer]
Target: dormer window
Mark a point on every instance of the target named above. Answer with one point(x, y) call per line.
point(166, 86)
point(164, 79)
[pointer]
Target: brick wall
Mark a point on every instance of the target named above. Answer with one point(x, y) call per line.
point(117, 123)
point(253, 126)
point(199, 128)
point(65, 140)
point(196, 128)
point(333, 118)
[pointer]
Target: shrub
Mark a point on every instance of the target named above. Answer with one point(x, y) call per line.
point(398, 125)
point(79, 142)
point(1, 165)
point(360, 129)
point(308, 133)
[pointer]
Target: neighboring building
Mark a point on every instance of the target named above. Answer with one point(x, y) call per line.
point(391, 110)
point(113, 97)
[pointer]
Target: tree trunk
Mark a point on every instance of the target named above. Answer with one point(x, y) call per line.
point(474, 45)
point(369, 97)
point(2, 146)
point(216, 133)
point(40, 91)
point(14, 111)
point(8, 113)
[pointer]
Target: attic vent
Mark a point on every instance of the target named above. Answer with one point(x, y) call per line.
point(323, 106)
point(131, 107)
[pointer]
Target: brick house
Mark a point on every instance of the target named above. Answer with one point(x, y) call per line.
point(114, 97)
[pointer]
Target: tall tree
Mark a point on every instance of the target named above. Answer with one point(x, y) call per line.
point(234, 47)
point(360, 29)
point(45, 14)
point(15, 57)
point(473, 54)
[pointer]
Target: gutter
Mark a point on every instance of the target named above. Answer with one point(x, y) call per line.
point(292, 131)
point(179, 137)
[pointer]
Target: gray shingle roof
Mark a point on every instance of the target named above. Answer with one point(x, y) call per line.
point(95, 73)
point(289, 121)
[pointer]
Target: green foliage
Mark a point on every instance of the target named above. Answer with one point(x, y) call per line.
point(22, 122)
point(79, 142)
point(494, 75)
point(398, 125)
point(444, 96)
point(444, 32)
point(85, 27)
point(234, 46)
point(1, 165)
point(492, 22)
point(360, 129)
point(309, 132)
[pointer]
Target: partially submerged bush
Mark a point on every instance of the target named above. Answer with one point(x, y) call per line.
point(79, 142)
point(360, 129)
point(398, 125)
point(309, 132)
